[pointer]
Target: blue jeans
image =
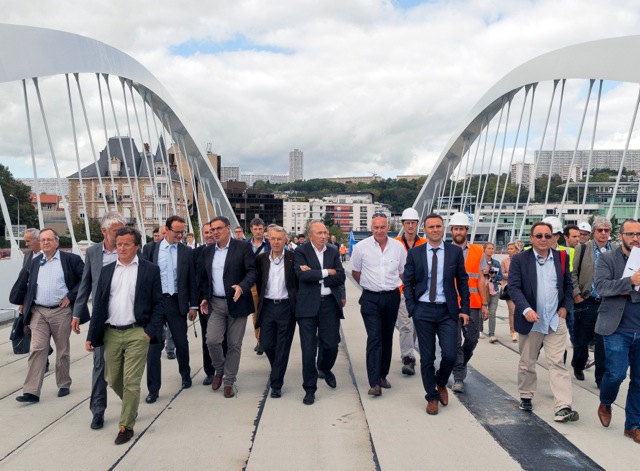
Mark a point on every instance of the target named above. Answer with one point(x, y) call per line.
point(622, 350)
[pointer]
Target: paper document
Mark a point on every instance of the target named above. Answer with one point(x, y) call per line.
point(633, 264)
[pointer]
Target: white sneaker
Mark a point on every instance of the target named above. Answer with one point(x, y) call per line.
point(458, 387)
point(482, 335)
point(492, 339)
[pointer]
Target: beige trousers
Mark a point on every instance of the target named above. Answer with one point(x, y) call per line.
point(44, 324)
point(554, 344)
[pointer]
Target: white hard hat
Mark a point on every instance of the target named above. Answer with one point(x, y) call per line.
point(410, 214)
point(459, 219)
point(556, 225)
point(584, 226)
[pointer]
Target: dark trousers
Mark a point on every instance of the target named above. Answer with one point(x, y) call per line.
point(379, 313)
point(177, 323)
point(468, 336)
point(209, 370)
point(277, 326)
point(319, 332)
point(429, 320)
point(586, 315)
point(98, 400)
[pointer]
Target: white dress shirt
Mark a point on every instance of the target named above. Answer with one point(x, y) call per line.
point(324, 291)
point(380, 270)
point(217, 269)
point(276, 284)
point(123, 294)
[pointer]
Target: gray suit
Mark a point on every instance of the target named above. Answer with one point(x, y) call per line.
point(614, 291)
point(88, 285)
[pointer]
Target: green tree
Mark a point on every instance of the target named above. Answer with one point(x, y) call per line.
point(81, 233)
point(11, 186)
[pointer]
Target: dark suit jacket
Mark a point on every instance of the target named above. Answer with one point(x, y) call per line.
point(186, 274)
point(148, 304)
point(263, 264)
point(72, 267)
point(523, 286)
point(455, 282)
point(308, 298)
point(89, 282)
point(239, 269)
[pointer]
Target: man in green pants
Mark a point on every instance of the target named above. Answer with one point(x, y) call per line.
point(127, 316)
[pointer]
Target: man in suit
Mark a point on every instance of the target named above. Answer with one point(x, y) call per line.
point(51, 289)
point(32, 242)
point(209, 370)
point(277, 285)
point(434, 277)
point(318, 307)
point(179, 288)
point(97, 256)
point(619, 323)
point(127, 316)
point(225, 287)
point(259, 244)
point(540, 286)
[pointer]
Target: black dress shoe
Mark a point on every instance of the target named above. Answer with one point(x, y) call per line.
point(578, 374)
point(186, 383)
point(309, 399)
point(124, 436)
point(27, 397)
point(276, 393)
point(151, 398)
point(62, 392)
point(207, 380)
point(97, 422)
point(330, 379)
point(171, 355)
point(321, 374)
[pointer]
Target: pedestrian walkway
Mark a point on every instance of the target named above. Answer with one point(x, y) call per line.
point(344, 430)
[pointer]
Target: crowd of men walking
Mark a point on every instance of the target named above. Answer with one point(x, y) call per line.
point(428, 288)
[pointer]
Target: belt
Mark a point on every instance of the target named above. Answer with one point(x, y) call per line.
point(277, 301)
point(325, 296)
point(124, 327)
point(380, 292)
point(218, 297)
point(48, 307)
point(167, 295)
point(437, 303)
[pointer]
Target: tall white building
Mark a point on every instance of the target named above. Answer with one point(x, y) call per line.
point(251, 178)
point(523, 173)
point(606, 158)
point(229, 174)
point(295, 165)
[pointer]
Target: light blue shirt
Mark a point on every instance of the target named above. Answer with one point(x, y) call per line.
point(217, 269)
point(546, 295)
point(51, 288)
point(440, 274)
point(168, 263)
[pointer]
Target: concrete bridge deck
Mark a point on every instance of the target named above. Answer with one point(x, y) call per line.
point(344, 430)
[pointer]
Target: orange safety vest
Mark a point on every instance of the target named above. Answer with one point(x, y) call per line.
point(419, 241)
point(472, 265)
point(343, 250)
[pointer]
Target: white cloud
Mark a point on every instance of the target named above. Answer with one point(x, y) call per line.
point(363, 86)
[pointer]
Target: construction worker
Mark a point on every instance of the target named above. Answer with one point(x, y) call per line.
point(410, 221)
point(475, 264)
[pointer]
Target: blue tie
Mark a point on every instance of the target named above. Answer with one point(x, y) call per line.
point(170, 273)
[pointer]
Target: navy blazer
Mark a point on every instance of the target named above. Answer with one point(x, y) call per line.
point(308, 298)
point(147, 308)
point(72, 267)
point(186, 274)
point(456, 280)
point(263, 265)
point(523, 286)
point(239, 269)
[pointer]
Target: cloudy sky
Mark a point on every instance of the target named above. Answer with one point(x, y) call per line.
point(360, 86)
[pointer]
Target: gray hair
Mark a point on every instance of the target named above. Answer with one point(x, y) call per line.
point(33, 232)
point(111, 218)
point(601, 221)
point(275, 228)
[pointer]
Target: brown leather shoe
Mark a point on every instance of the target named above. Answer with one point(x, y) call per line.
point(217, 382)
point(228, 391)
point(604, 414)
point(384, 383)
point(375, 391)
point(432, 407)
point(124, 435)
point(633, 433)
point(444, 395)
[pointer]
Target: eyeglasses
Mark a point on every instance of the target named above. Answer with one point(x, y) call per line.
point(177, 232)
point(379, 215)
point(603, 229)
point(42, 241)
point(632, 234)
point(543, 236)
point(217, 229)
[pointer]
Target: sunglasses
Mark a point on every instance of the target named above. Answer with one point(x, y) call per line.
point(543, 236)
point(603, 229)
